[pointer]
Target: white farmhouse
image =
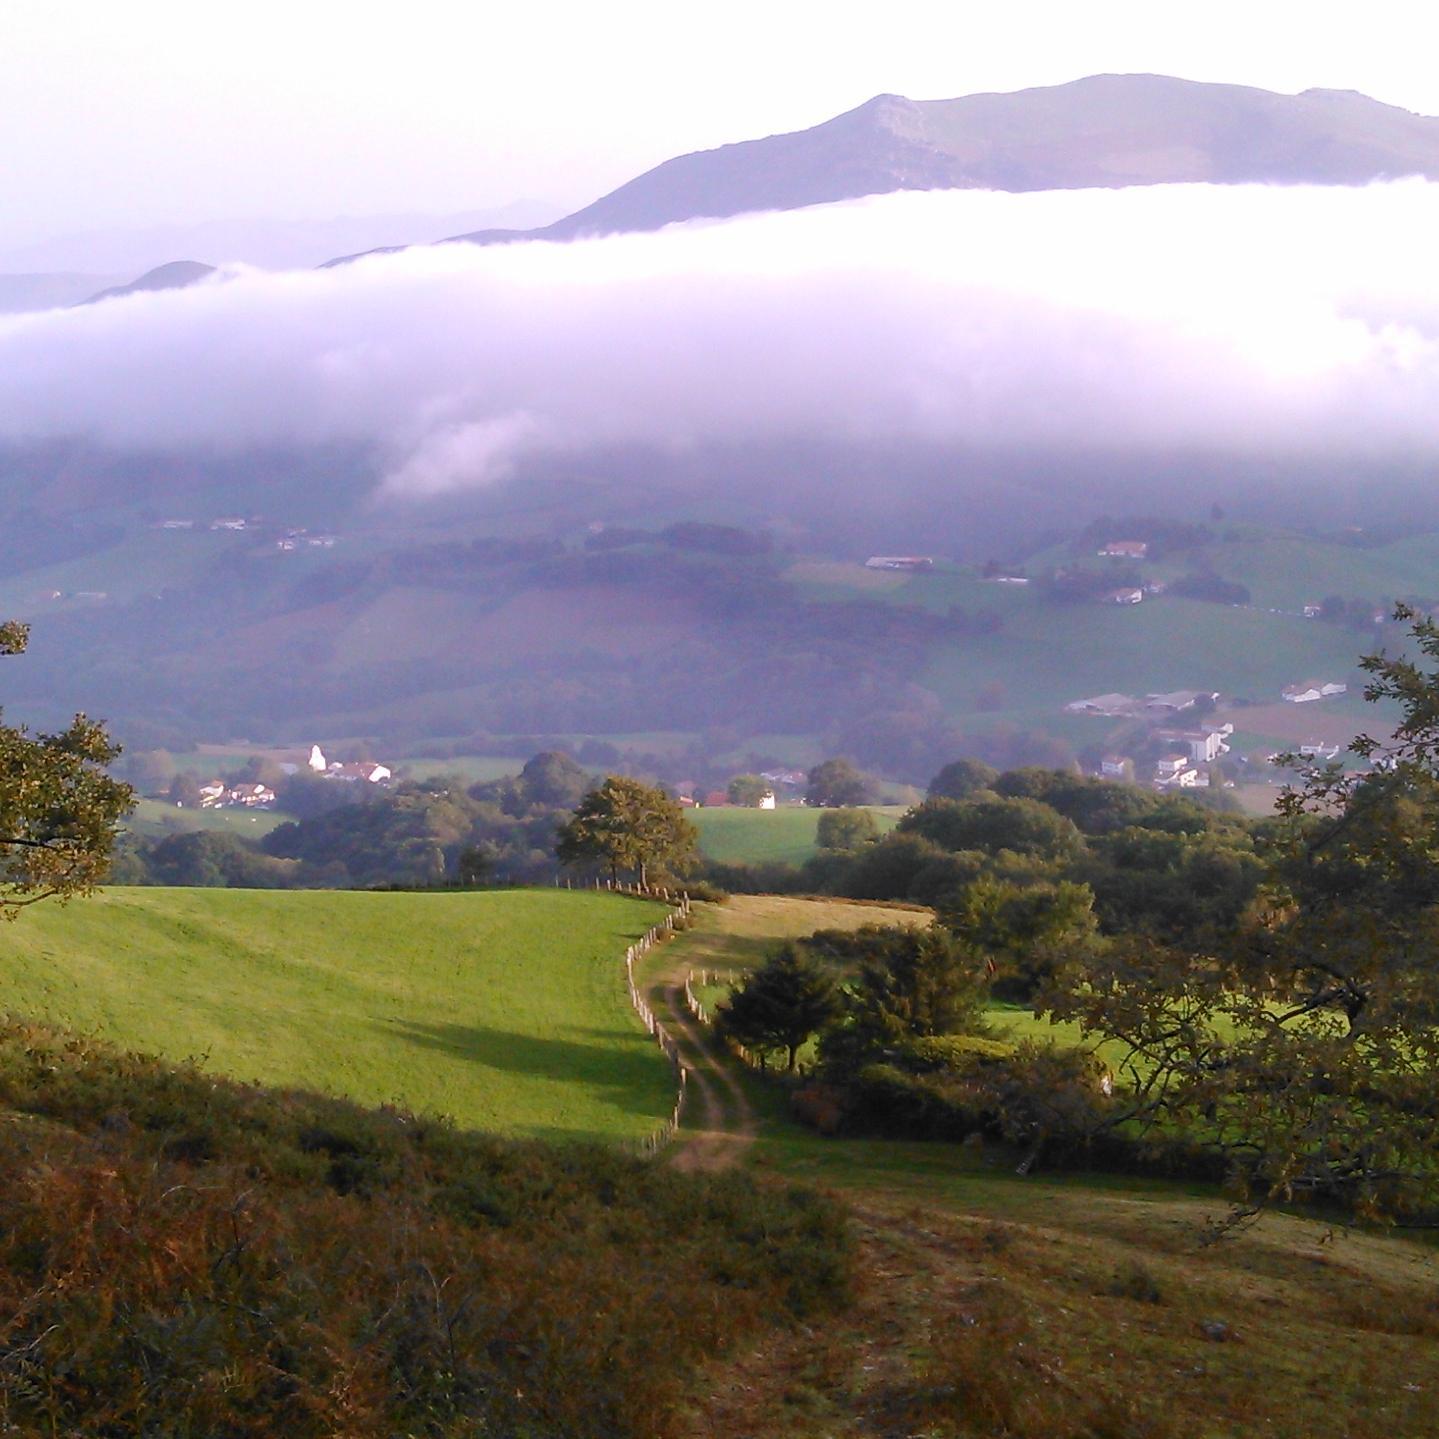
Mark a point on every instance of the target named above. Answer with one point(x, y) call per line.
point(1311, 690)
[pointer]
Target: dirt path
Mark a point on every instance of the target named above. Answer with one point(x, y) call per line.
point(719, 1123)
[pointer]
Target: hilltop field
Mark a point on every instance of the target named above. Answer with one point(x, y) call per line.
point(956, 1299)
point(503, 1010)
point(762, 836)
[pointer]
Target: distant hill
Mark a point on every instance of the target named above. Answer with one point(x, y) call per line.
point(177, 275)
point(1102, 131)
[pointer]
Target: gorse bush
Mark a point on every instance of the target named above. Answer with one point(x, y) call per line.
point(182, 1256)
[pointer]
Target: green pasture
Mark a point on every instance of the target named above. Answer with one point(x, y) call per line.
point(505, 1010)
point(769, 836)
point(155, 818)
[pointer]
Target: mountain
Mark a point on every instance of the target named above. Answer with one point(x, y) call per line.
point(1102, 131)
point(177, 275)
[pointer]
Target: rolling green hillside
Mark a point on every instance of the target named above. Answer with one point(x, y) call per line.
point(763, 836)
point(505, 1010)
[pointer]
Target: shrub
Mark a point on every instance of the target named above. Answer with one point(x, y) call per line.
point(184, 1255)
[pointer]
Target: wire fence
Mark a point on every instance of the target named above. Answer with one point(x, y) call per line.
point(677, 918)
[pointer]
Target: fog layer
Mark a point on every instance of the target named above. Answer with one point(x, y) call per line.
point(1244, 319)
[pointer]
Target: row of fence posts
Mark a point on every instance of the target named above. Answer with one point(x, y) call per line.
point(696, 1007)
point(677, 917)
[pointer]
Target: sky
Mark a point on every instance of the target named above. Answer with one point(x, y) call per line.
point(164, 111)
point(1258, 320)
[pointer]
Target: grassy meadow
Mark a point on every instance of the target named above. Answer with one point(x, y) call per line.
point(769, 836)
point(155, 818)
point(505, 1010)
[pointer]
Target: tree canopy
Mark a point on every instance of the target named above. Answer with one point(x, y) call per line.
point(1303, 1042)
point(835, 782)
point(627, 825)
point(789, 998)
point(59, 808)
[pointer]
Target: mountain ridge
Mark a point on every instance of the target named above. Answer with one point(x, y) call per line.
point(1101, 131)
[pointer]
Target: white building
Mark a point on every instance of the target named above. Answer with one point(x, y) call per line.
point(1125, 597)
point(1311, 690)
point(766, 800)
point(317, 760)
point(363, 772)
point(1175, 771)
point(899, 562)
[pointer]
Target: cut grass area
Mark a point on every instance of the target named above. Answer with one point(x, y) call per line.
point(740, 933)
point(770, 836)
point(505, 1010)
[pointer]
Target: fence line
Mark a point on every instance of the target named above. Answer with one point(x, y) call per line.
point(655, 935)
point(697, 1008)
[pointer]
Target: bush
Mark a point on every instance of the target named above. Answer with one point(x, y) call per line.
point(183, 1255)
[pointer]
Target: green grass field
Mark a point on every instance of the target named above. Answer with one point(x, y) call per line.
point(155, 818)
point(505, 1010)
point(765, 836)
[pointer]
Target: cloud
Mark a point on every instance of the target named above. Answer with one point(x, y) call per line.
point(1244, 319)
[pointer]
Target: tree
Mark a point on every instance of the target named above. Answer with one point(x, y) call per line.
point(151, 771)
point(1304, 1044)
point(961, 779)
point(846, 829)
point(473, 865)
point(915, 984)
point(185, 790)
point(553, 778)
point(59, 809)
point(1025, 826)
point(628, 825)
point(836, 782)
point(791, 997)
point(748, 790)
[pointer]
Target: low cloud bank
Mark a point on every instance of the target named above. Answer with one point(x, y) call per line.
point(1249, 319)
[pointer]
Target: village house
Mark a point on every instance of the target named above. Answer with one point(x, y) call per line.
point(766, 800)
point(1125, 550)
point(362, 771)
point(899, 562)
point(1177, 701)
point(213, 794)
point(1317, 750)
point(1125, 596)
point(1204, 745)
point(1110, 704)
point(1174, 771)
point(786, 778)
point(252, 796)
point(1311, 690)
point(1116, 767)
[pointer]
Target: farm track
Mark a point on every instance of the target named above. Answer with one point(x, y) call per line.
point(719, 1123)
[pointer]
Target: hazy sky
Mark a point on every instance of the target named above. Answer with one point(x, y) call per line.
point(157, 111)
